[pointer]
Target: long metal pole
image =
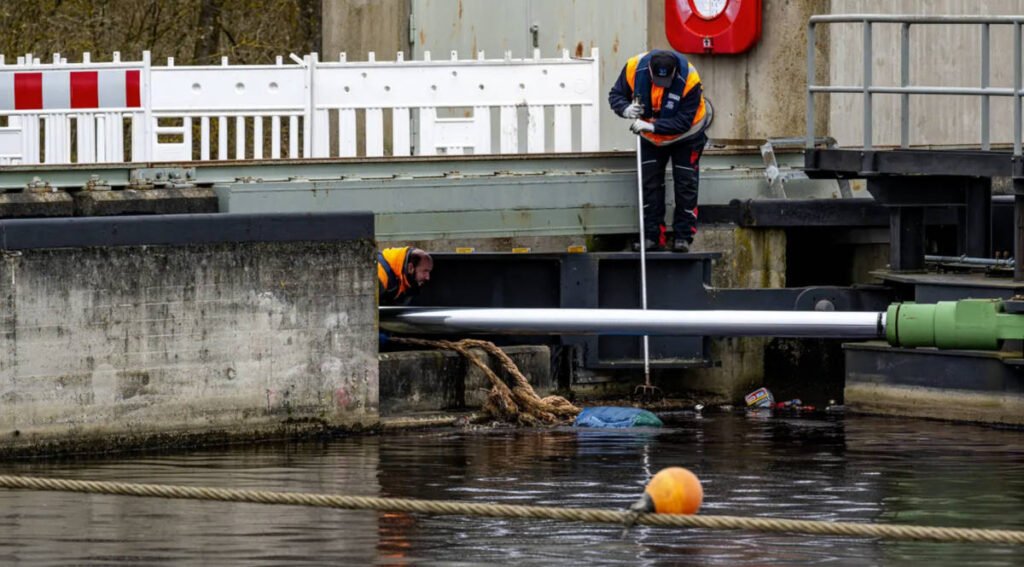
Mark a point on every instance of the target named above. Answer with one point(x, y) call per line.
point(557, 321)
point(643, 257)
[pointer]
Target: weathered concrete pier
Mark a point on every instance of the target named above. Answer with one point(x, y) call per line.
point(158, 330)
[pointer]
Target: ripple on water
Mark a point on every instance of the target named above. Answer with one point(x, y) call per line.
point(844, 469)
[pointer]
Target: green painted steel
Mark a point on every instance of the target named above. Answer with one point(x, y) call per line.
point(979, 324)
point(15, 177)
point(445, 197)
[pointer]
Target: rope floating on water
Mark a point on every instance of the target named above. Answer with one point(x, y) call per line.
point(593, 515)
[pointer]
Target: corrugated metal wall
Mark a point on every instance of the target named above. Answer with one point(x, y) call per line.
point(939, 55)
point(758, 94)
point(618, 29)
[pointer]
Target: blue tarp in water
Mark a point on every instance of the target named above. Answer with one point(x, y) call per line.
point(611, 416)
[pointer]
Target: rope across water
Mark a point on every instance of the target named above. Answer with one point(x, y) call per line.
point(594, 515)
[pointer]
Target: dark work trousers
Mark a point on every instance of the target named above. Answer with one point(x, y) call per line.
point(685, 156)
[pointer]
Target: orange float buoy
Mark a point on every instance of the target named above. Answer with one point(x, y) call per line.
point(674, 490)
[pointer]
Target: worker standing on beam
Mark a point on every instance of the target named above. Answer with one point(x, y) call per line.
point(402, 272)
point(661, 92)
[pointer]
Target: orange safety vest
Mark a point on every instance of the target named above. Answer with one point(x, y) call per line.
point(701, 120)
point(391, 263)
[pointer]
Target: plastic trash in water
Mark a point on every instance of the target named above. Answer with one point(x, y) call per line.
point(760, 398)
point(616, 417)
point(794, 405)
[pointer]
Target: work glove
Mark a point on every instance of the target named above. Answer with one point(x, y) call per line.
point(634, 110)
point(639, 127)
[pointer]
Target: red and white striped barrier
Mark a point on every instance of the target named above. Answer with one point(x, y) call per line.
point(92, 112)
point(66, 90)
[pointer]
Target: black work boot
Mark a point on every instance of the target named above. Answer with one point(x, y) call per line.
point(649, 245)
point(680, 245)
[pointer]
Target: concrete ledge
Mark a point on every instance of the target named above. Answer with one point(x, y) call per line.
point(954, 405)
point(191, 200)
point(958, 385)
point(31, 204)
point(418, 381)
point(118, 346)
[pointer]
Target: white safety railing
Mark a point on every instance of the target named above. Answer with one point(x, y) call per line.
point(84, 112)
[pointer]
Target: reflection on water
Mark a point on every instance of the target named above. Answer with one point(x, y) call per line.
point(852, 469)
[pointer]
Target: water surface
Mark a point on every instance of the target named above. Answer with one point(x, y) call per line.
point(825, 467)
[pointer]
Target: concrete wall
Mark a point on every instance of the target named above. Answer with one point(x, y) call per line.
point(437, 380)
point(127, 345)
point(751, 258)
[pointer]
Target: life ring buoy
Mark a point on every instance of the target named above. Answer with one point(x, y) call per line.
point(712, 26)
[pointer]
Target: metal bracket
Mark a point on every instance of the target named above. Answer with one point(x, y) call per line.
point(96, 184)
point(148, 177)
point(38, 185)
point(777, 179)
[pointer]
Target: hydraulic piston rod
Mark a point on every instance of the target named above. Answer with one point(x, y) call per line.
point(830, 324)
point(981, 324)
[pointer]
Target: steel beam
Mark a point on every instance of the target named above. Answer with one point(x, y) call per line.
point(906, 239)
point(1018, 225)
point(976, 225)
point(16, 177)
point(826, 163)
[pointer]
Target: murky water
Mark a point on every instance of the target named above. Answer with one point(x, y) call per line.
point(827, 468)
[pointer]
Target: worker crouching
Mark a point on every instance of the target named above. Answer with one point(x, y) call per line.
point(401, 273)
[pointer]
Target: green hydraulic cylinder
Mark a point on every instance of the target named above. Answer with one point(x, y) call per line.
point(979, 324)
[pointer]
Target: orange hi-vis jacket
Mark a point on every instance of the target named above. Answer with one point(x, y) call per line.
point(391, 266)
point(669, 107)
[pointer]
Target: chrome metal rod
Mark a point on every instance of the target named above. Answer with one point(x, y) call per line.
point(820, 324)
point(970, 260)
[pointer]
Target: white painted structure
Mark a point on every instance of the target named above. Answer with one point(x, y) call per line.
point(304, 109)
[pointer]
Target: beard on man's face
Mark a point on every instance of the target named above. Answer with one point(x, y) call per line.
point(414, 286)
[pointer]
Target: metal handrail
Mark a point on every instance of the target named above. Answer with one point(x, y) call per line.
point(867, 89)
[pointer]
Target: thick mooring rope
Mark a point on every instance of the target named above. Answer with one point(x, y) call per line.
point(593, 515)
point(517, 403)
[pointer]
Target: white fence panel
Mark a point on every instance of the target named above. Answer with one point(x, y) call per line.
point(11, 151)
point(472, 87)
point(87, 112)
point(245, 93)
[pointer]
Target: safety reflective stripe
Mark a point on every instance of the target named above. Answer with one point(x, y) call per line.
point(391, 280)
point(666, 139)
point(110, 90)
point(631, 70)
point(6, 91)
point(692, 79)
point(56, 90)
point(28, 91)
point(64, 90)
point(132, 90)
point(84, 89)
point(656, 94)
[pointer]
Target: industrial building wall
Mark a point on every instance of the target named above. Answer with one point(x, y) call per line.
point(757, 94)
point(618, 29)
point(939, 55)
point(760, 93)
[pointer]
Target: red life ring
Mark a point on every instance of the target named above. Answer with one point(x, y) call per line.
point(712, 26)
